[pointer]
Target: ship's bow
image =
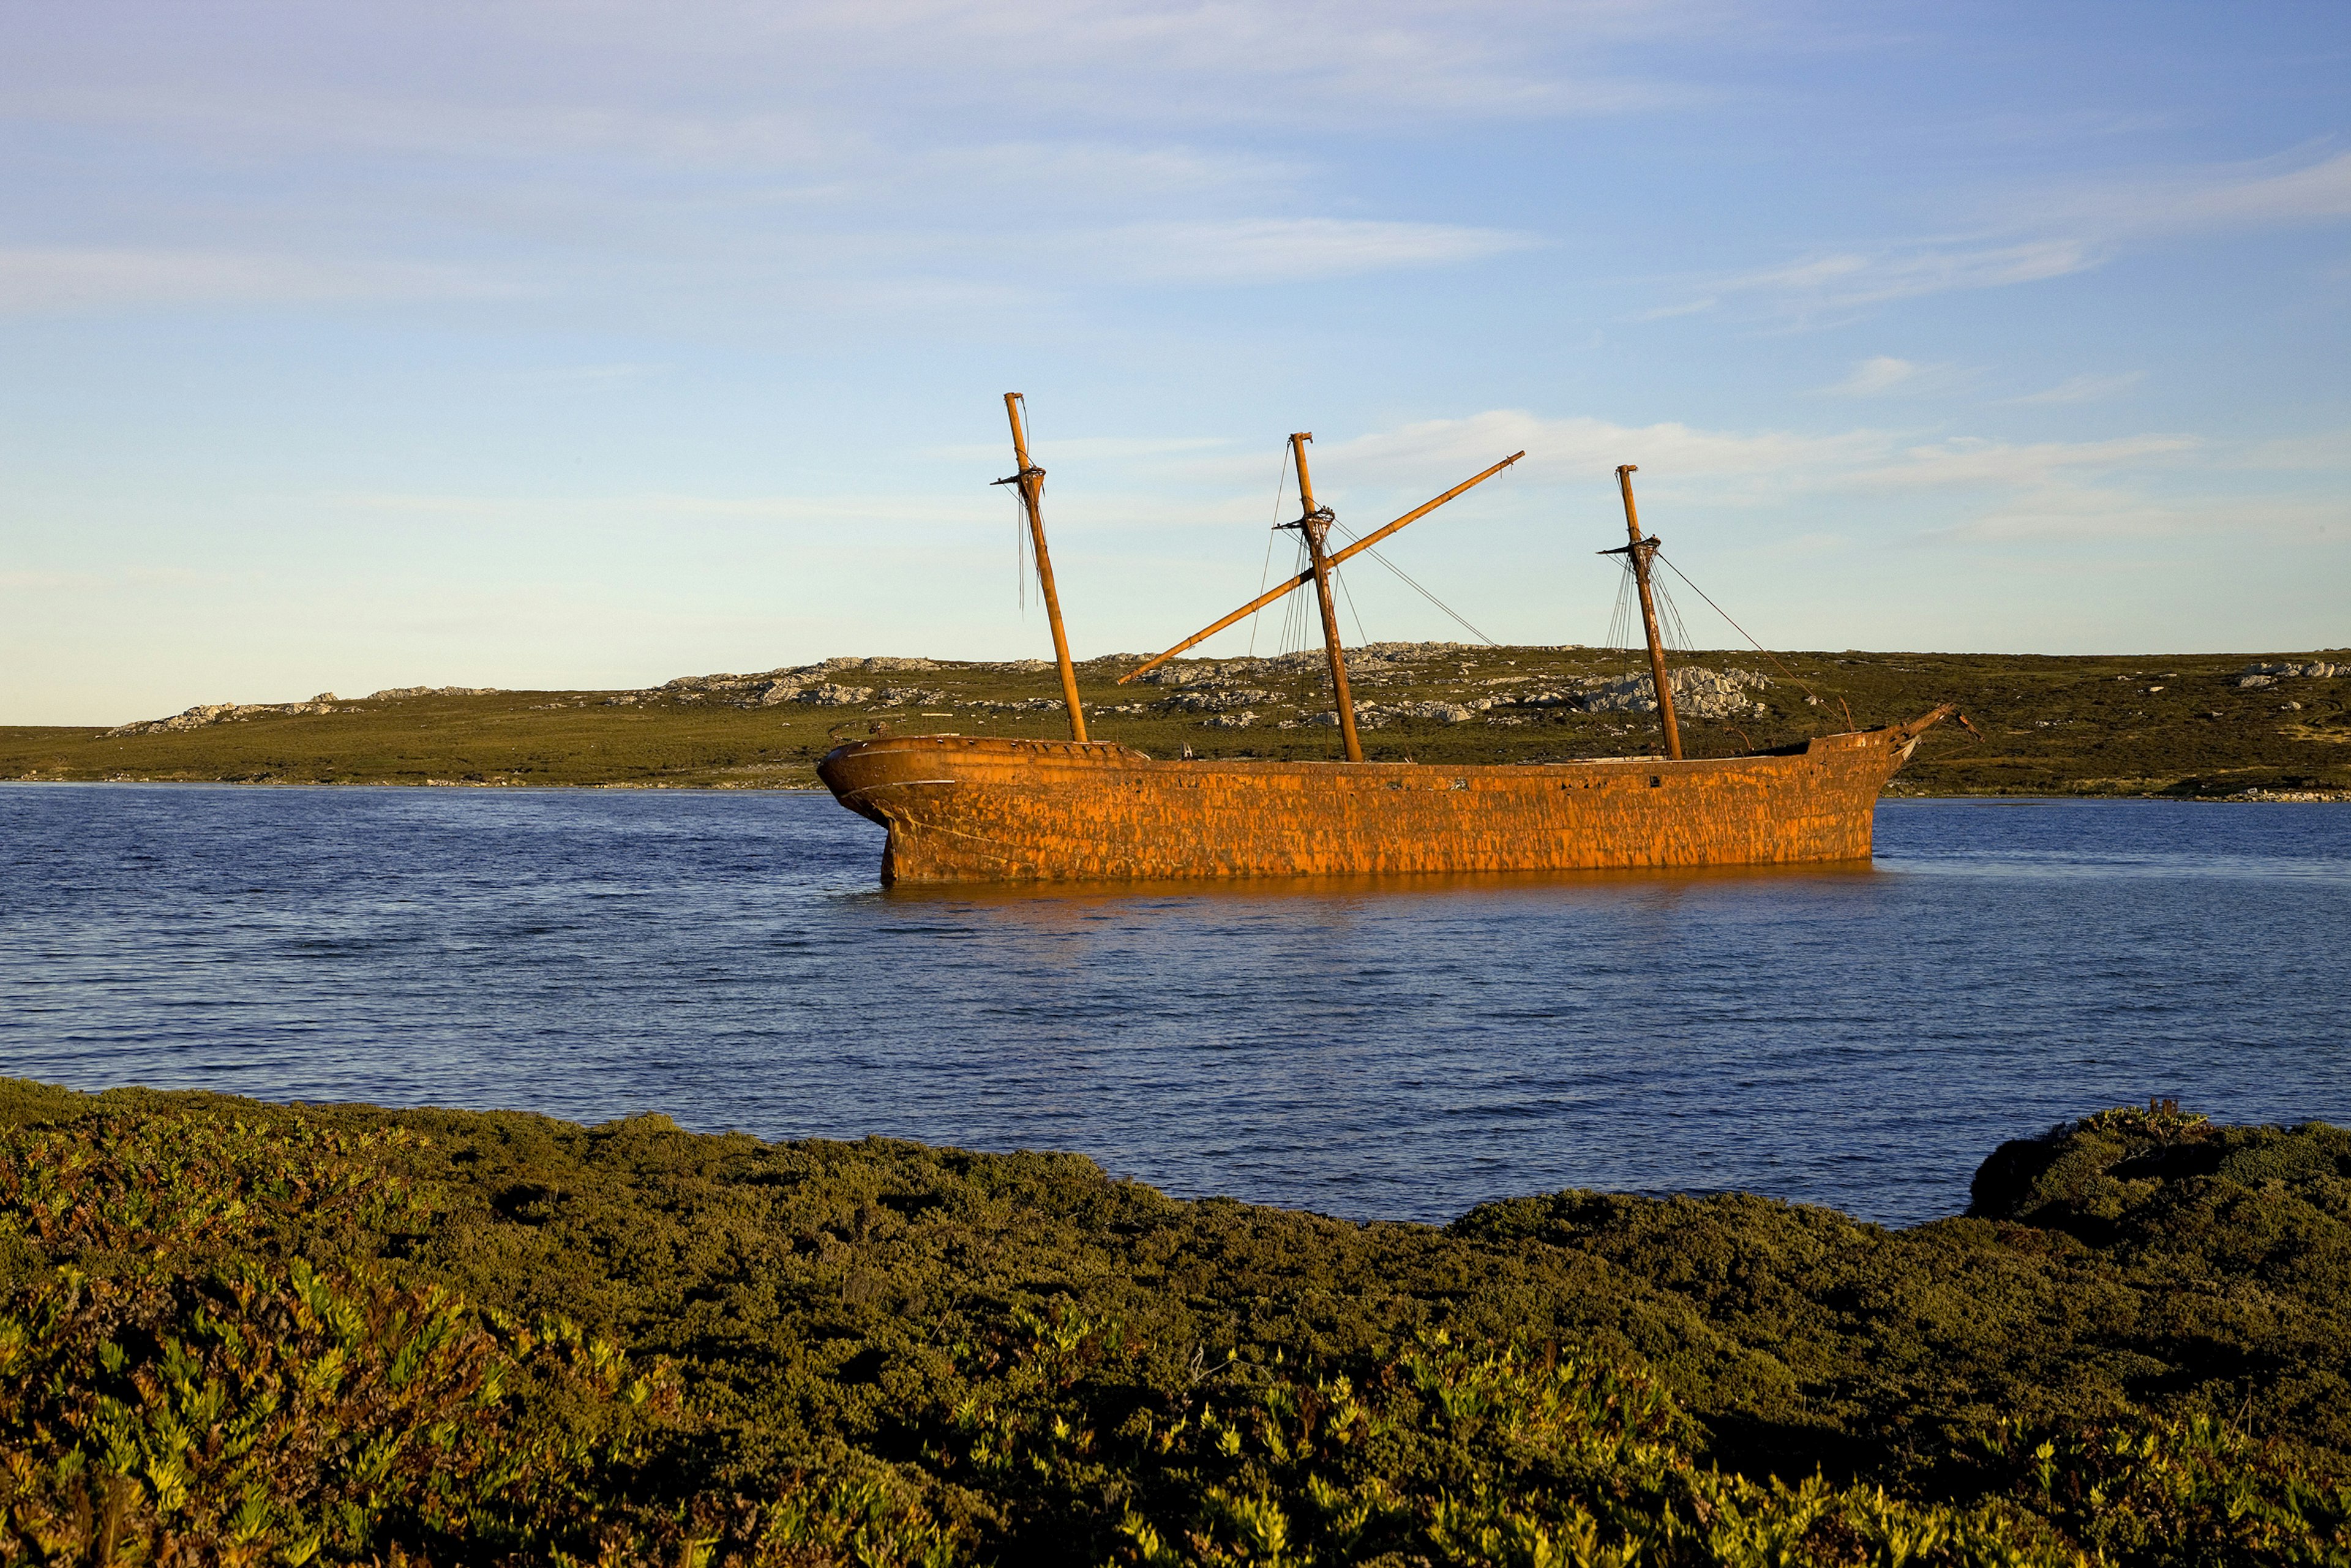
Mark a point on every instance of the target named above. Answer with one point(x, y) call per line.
point(977, 808)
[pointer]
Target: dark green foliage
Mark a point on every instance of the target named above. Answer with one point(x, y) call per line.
point(231, 1328)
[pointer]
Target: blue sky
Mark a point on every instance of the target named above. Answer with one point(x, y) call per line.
point(531, 344)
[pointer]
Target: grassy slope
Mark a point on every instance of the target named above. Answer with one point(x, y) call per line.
point(884, 1304)
point(2088, 726)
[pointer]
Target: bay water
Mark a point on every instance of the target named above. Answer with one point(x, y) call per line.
point(1860, 1038)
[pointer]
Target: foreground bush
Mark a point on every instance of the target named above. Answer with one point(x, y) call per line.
point(232, 1333)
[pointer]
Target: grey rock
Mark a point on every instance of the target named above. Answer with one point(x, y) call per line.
point(1697, 694)
point(1217, 701)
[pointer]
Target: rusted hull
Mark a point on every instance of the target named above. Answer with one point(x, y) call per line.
point(965, 809)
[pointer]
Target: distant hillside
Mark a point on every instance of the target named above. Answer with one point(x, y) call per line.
point(2205, 724)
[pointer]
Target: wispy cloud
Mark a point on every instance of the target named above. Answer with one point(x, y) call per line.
point(2268, 193)
point(48, 278)
point(2078, 514)
point(1973, 461)
point(1886, 376)
point(2328, 452)
point(2156, 481)
point(1572, 449)
point(649, 509)
point(1841, 282)
point(1266, 250)
point(1093, 448)
point(2084, 389)
point(536, 77)
point(570, 151)
point(2034, 235)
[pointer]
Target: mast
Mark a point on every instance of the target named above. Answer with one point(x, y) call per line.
point(1314, 523)
point(1638, 552)
point(1032, 480)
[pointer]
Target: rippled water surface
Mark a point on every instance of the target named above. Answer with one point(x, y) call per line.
point(1859, 1037)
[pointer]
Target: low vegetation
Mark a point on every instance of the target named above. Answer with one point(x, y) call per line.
point(237, 1332)
point(2176, 726)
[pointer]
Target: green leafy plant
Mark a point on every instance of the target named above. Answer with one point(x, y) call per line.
point(238, 1334)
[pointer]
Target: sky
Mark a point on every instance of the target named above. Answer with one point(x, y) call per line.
point(530, 344)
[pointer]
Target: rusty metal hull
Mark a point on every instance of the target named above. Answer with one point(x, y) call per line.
point(973, 808)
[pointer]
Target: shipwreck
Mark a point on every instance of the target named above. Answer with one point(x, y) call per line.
point(992, 809)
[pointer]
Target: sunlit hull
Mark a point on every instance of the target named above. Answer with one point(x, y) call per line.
point(967, 809)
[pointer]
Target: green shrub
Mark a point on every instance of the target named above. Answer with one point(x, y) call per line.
point(236, 1333)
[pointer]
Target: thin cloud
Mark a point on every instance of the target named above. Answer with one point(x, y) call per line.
point(1571, 449)
point(1092, 447)
point(2007, 491)
point(1971, 460)
point(60, 279)
point(2084, 389)
point(542, 77)
point(1281, 250)
point(1844, 281)
point(2049, 234)
point(2329, 451)
point(598, 510)
point(2068, 515)
point(2269, 193)
point(1886, 376)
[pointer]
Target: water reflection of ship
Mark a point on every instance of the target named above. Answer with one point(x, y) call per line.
point(995, 809)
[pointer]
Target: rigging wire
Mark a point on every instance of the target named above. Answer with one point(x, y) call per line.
point(1742, 630)
point(1674, 632)
point(1293, 610)
point(1626, 616)
point(1280, 489)
point(1019, 549)
point(1294, 627)
point(1670, 630)
point(1361, 636)
point(1620, 618)
point(1416, 588)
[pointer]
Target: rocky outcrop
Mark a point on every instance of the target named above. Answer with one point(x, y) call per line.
point(825, 694)
point(911, 696)
point(818, 684)
point(394, 693)
point(1366, 662)
point(1197, 701)
point(1697, 694)
point(1226, 693)
point(1027, 704)
point(205, 713)
point(1378, 715)
point(2254, 675)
